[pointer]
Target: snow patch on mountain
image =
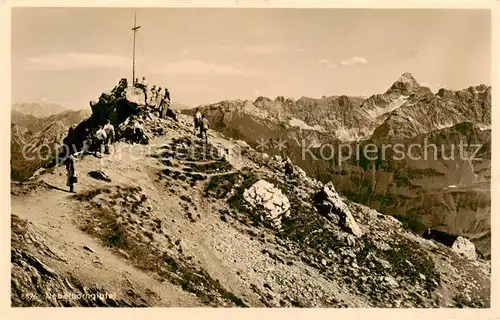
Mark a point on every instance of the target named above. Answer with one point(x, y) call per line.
point(344, 134)
point(398, 102)
point(294, 122)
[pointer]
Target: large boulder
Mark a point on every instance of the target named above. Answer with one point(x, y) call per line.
point(331, 205)
point(465, 248)
point(114, 106)
point(269, 199)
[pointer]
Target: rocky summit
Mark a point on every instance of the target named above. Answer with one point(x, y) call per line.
point(167, 219)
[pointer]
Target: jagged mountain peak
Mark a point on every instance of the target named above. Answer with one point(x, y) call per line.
point(406, 77)
point(405, 84)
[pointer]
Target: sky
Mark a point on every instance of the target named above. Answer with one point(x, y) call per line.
point(203, 55)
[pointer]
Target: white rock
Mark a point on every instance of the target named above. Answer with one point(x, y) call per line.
point(391, 281)
point(465, 248)
point(264, 194)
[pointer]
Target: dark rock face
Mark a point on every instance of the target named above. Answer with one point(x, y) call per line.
point(440, 236)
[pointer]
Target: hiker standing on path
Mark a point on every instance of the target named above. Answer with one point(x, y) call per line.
point(138, 134)
point(152, 99)
point(197, 121)
point(145, 90)
point(167, 95)
point(71, 172)
point(167, 108)
point(164, 104)
point(110, 135)
point(158, 100)
point(204, 128)
point(288, 167)
point(101, 137)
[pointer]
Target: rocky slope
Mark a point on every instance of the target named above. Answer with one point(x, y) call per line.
point(433, 191)
point(35, 141)
point(183, 223)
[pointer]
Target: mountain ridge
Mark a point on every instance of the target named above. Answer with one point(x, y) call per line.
point(216, 223)
point(405, 113)
point(34, 140)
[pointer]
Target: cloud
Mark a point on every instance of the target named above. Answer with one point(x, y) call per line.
point(353, 61)
point(197, 67)
point(74, 61)
point(327, 63)
point(300, 50)
point(185, 52)
point(264, 49)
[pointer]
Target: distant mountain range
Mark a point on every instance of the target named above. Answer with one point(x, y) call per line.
point(38, 109)
point(35, 138)
point(452, 195)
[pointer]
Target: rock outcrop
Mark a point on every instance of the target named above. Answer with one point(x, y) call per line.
point(264, 196)
point(465, 248)
point(329, 203)
point(99, 175)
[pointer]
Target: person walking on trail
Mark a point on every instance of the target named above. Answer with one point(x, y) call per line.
point(71, 173)
point(197, 121)
point(204, 128)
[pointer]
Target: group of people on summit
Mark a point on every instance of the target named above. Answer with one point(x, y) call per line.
point(100, 140)
point(159, 101)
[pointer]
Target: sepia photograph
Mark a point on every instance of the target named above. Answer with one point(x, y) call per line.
point(203, 157)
